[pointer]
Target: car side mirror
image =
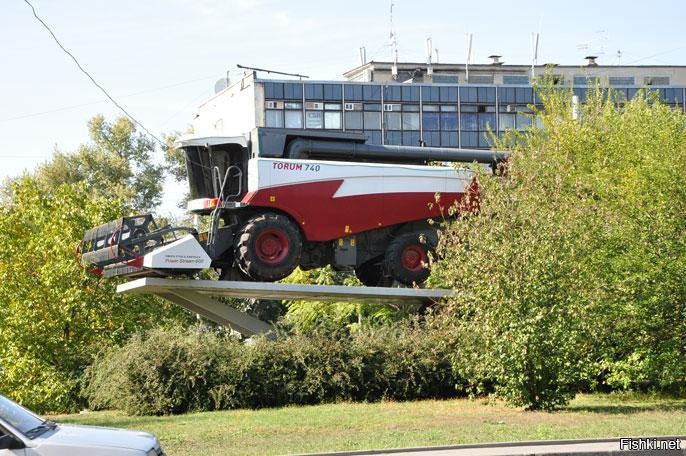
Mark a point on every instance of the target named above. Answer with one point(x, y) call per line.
point(9, 442)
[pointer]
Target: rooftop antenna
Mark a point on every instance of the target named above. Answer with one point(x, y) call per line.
point(619, 56)
point(429, 56)
point(363, 55)
point(394, 45)
point(436, 51)
point(469, 56)
point(534, 47)
point(534, 53)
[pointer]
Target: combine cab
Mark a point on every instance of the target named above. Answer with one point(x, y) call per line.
point(287, 198)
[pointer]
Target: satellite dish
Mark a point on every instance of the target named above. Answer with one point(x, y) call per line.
point(221, 84)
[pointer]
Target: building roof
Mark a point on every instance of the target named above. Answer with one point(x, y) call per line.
point(373, 65)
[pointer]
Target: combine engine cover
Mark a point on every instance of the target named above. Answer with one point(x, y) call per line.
point(334, 199)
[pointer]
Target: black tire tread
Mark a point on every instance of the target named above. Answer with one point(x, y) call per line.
point(250, 264)
point(392, 262)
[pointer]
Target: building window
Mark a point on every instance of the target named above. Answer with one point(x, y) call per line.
point(486, 122)
point(294, 119)
point(314, 119)
point(274, 118)
point(353, 120)
point(585, 80)
point(506, 122)
point(410, 121)
point(449, 121)
point(480, 79)
point(621, 80)
point(393, 120)
point(524, 120)
point(445, 78)
point(430, 121)
point(372, 120)
point(332, 120)
point(515, 79)
point(468, 122)
point(656, 80)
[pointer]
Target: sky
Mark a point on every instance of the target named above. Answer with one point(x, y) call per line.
point(161, 58)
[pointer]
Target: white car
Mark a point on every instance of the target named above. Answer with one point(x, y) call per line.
point(22, 433)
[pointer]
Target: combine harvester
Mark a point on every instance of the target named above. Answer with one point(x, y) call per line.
point(278, 199)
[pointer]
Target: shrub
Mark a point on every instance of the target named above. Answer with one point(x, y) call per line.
point(572, 272)
point(174, 371)
point(165, 371)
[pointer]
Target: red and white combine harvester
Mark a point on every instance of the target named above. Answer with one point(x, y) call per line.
point(279, 199)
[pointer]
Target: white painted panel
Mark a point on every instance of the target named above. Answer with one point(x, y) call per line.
point(186, 253)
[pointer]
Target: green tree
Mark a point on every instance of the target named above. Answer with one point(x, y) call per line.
point(55, 316)
point(571, 274)
point(116, 163)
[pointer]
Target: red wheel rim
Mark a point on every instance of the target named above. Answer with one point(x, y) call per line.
point(413, 258)
point(271, 246)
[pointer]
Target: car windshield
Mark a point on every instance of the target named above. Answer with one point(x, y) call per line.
point(17, 416)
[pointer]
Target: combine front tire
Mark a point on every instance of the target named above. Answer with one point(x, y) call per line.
point(407, 258)
point(268, 247)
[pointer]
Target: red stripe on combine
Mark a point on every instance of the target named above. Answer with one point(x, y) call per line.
point(323, 217)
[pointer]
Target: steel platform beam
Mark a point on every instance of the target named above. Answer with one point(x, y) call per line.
point(198, 297)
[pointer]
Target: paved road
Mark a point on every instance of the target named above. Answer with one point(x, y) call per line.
point(600, 447)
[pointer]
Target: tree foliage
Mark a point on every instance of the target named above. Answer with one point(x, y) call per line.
point(54, 316)
point(571, 274)
point(116, 163)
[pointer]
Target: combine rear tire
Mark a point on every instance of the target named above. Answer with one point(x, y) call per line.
point(268, 247)
point(407, 258)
